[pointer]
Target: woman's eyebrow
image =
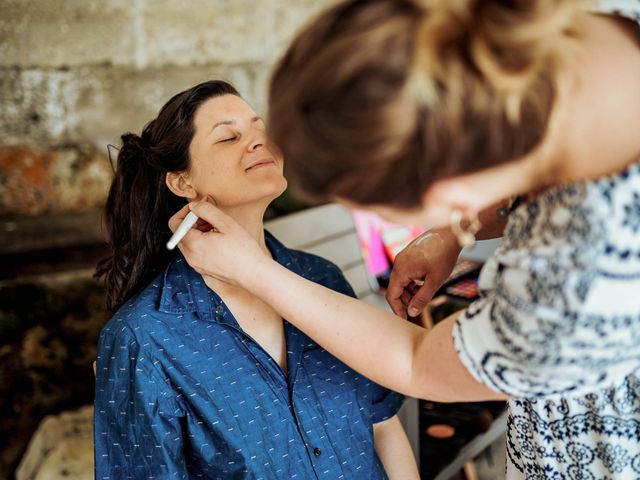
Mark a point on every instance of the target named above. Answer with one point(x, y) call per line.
point(232, 122)
point(223, 122)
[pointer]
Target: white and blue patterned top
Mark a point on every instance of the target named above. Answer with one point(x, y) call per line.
point(557, 327)
point(183, 392)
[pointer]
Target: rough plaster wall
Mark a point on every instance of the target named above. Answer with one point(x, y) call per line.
point(75, 74)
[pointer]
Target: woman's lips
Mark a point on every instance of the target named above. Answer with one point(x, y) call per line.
point(261, 163)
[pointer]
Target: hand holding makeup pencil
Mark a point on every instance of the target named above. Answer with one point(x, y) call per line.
point(235, 252)
point(419, 270)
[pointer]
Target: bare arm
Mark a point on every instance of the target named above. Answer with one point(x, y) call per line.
point(378, 344)
point(391, 351)
point(393, 448)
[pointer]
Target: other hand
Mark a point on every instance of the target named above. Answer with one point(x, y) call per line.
point(419, 270)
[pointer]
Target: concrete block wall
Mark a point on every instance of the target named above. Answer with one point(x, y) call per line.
point(76, 74)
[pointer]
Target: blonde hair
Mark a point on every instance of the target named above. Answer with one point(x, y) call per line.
point(376, 99)
point(510, 45)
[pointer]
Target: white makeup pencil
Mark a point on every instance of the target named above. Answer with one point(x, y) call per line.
point(186, 225)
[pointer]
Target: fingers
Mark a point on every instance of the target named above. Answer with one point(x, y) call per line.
point(210, 214)
point(177, 218)
point(421, 298)
point(406, 297)
point(402, 286)
point(203, 226)
point(394, 294)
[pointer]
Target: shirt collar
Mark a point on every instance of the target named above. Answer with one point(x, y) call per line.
point(184, 289)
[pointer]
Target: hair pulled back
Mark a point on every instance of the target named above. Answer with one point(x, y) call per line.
point(139, 203)
point(377, 99)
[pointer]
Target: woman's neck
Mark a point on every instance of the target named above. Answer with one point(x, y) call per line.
point(255, 317)
point(250, 217)
point(596, 133)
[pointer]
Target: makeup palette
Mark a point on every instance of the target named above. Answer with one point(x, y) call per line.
point(466, 288)
point(463, 266)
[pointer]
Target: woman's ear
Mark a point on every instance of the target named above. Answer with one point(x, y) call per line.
point(179, 183)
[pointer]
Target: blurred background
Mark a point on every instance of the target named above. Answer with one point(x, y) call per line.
point(74, 76)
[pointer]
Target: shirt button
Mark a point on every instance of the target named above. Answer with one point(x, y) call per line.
point(317, 452)
point(220, 309)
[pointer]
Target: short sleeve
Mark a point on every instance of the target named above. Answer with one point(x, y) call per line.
point(136, 425)
point(557, 315)
point(385, 404)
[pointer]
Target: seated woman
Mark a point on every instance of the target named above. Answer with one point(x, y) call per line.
point(200, 379)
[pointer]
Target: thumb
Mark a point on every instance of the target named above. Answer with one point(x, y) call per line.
point(420, 299)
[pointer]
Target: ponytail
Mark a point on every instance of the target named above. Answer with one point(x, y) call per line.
point(139, 203)
point(137, 211)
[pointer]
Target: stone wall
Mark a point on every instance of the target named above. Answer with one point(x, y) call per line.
point(75, 74)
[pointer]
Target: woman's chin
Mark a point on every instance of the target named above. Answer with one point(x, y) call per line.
point(268, 196)
point(276, 193)
point(277, 186)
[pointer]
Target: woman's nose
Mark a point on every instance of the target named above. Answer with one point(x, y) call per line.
point(257, 140)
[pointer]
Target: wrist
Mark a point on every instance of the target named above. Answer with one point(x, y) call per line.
point(258, 276)
point(448, 239)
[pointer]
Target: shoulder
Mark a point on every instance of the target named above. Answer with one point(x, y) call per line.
point(317, 267)
point(571, 248)
point(322, 271)
point(134, 316)
point(131, 337)
point(584, 221)
point(312, 267)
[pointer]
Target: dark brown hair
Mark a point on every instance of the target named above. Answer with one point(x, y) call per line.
point(139, 204)
point(377, 99)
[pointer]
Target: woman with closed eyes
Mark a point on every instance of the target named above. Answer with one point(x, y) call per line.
point(196, 377)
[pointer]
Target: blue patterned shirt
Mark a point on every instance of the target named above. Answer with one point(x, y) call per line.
point(183, 392)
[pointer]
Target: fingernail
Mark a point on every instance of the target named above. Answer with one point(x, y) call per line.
point(413, 312)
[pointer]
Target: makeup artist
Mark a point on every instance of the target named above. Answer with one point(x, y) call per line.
point(434, 113)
